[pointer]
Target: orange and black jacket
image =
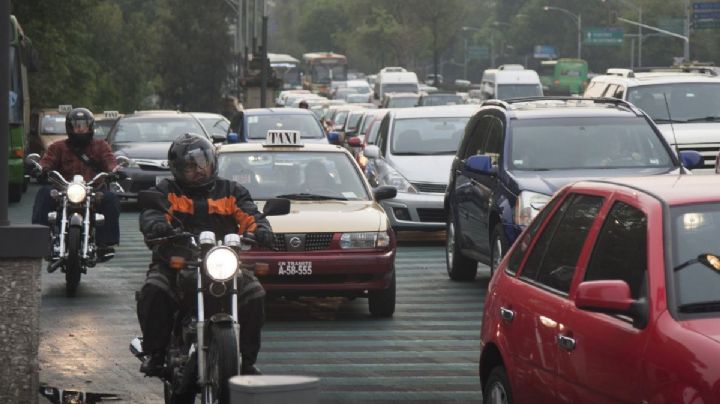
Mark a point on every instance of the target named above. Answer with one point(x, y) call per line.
point(224, 208)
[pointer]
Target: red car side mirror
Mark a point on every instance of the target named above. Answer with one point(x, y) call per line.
point(608, 296)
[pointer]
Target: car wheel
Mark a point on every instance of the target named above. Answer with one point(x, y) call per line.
point(497, 388)
point(382, 302)
point(459, 267)
point(498, 247)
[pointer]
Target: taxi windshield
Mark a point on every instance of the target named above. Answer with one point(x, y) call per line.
point(307, 124)
point(52, 125)
point(295, 175)
point(694, 232)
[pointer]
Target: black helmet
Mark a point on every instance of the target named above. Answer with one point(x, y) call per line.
point(191, 152)
point(80, 126)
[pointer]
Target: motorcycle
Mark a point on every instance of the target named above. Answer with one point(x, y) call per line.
point(204, 349)
point(73, 241)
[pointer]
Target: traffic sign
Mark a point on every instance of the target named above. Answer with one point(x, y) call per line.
point(603, 36)
point(706, 15)
point(478, 52)
point(706, 24)
point(706, 6)
point(544, 52)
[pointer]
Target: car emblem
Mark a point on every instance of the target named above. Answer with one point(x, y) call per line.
point(295, 242)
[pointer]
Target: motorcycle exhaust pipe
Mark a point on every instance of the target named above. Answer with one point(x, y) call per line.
point(54, 266)
point(136, 348)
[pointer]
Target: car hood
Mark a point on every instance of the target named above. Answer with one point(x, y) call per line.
point(691, 133)
point(140, 150)
point(548, 182)
point(432, 169)
point(709, 327)
point(329, 216)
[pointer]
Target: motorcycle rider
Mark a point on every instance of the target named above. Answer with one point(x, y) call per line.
point(200, 201)
point(80, 154)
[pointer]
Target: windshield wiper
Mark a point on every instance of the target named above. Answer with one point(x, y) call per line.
point(705, 119)
point(700, 307)
point(303, 196)
point(665, 120)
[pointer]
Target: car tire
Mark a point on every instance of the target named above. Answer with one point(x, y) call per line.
point(498, 247)
point(459, 267)
point(497, 388)
point(382, 302)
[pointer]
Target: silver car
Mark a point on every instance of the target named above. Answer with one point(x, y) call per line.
point(413, 153)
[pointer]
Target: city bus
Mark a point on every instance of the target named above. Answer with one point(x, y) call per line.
point(564, 76)
point(287, 69)
point(321, 69)
point(22, 60)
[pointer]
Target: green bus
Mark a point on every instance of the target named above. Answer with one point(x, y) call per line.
point(22, 60)
point(563, 76)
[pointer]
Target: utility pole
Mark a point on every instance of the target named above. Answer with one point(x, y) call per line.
point(264, 56)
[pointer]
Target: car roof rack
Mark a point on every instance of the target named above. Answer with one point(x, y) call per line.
point(689, 68)
point(505, 104)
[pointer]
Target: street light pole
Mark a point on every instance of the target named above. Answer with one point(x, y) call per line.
point(465, 58)
point(637, 8)
point(577, 18)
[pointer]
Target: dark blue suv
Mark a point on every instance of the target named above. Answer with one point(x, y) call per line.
point(515, 154)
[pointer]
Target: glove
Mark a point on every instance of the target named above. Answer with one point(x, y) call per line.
point(264, 237)
point(39, 171)
point(121, 175)
point(161, 229)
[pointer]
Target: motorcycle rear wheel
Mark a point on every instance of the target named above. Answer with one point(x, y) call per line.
point(72, 262)
point(222, 364)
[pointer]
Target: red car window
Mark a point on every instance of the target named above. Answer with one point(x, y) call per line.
point(553, 260)
point(621, 249)
point(524, 243)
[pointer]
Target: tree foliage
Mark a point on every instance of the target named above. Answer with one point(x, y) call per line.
point(134, 54)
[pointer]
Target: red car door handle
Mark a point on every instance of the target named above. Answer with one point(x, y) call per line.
point(566, 343)
point(507, 314)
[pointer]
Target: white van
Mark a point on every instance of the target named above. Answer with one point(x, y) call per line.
point(396, 82)
point(510, 81)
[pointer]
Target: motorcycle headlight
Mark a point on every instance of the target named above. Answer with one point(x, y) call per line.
point(528, 205)
point(76, 193)
point(369, 239)
point(221, 264)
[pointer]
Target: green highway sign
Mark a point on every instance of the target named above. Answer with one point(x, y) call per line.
point(607, 36)
point(478, 52)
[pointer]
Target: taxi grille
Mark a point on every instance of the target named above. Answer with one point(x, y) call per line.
point(313, 241)
point(431, 188)
point(431, 215)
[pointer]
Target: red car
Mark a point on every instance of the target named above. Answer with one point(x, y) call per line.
point(612, 294)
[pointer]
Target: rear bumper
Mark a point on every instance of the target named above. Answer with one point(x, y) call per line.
point(140, 180)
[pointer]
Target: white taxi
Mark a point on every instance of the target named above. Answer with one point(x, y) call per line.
point(336, 240)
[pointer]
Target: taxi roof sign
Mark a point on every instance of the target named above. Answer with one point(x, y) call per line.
point(65, 108)
point(111, 114)
point(283, 138)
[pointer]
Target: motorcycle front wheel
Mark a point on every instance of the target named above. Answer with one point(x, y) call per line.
point(72, 262)
point(222, 364)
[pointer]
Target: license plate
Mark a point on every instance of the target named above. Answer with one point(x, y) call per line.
point(159, 178)
point(294, 268)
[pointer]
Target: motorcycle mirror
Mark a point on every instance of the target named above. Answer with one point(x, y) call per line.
point(153, 200)
point(34, 157)
point(123, 161)
point(276, 207)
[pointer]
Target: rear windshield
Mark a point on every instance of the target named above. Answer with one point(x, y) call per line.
point(427, 136)
point(577, 143)
point(441, 99)
point(508, 91)
point(52, 125)
point(308, 125)
point(154, 129)
point(400, 88)
point(402, 102)
point(687, 101)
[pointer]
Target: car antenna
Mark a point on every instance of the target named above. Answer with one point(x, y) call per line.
point(672, 127)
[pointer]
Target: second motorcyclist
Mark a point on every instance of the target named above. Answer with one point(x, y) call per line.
point(198, 201)
point(80, 154)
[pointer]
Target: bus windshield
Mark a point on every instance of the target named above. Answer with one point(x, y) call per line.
point(327, 72)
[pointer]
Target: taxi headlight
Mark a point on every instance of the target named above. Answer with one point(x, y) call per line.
point(76, 193)
point(370, 239)
point(221, 264)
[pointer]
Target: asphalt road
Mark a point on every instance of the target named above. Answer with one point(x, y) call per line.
point(427, 352)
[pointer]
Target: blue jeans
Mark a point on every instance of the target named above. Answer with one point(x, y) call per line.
point(107, 234)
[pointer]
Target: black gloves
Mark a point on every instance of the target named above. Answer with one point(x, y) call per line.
point(39, 171)
point(161, 229)
point(117, 176)
point(264, 236)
